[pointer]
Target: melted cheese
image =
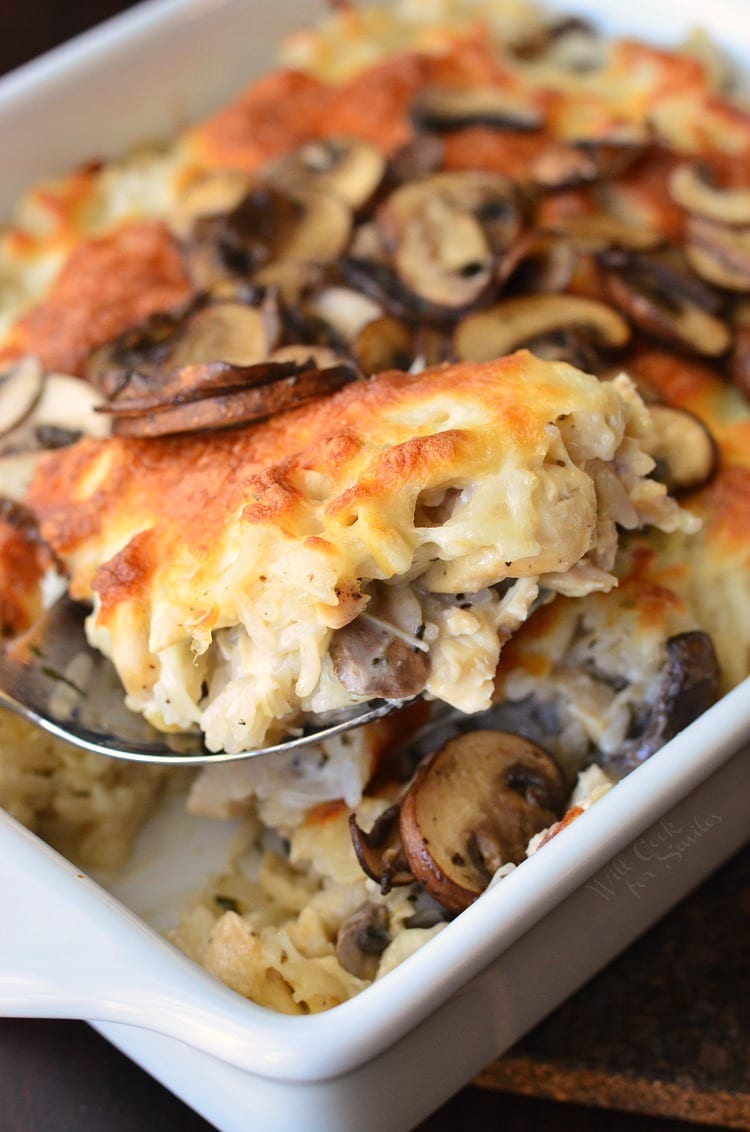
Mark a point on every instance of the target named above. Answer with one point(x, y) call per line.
point(217, 561)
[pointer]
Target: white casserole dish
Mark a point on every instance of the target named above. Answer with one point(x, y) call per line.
point(69, 948)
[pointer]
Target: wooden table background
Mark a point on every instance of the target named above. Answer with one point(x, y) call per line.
point(61, 1076)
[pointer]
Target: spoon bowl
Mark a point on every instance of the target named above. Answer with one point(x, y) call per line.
point(53, 678)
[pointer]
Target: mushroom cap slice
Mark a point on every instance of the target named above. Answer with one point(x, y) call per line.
point(226, 332)
point(601, 230)
point(20, 388)
point(664, 303)
point(372, 659)
point(472, 808)
point(216, 395)
point(719, 254)
point(688, 686)
point(384, 344)
point(689, 188)
point(686, 454)
point(321, 232)
point(444, 232)
point(564, 165)
point(379, 851)
point(346, 167)
point(739, 361)
point(211, 194)
point(362, 939)
point(442, 109)
point(505, 327)
point(538, 261)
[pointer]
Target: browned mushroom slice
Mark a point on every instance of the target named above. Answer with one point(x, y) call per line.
point(321, 357)
point(20, 388)
point(601, 231)
point(384, 344)
point(212, 193)
point(444, 232)
point(194, 411)
point(191, 383)
point(373, 659)
point(227, 332)
point(381, 282)
point(379, 852)
point(269, 226)
point(64, 411)
point(510, 324)
point(142, 347)
point(563, 166)
point(538, 262)
point(441, 109)
point(362, 939)
point(688, 686)
point(668, 304)
point(739, 361)
point(472, 808)
point(418, 157)
point(344, 309)
point(719, 254)
point(685, 452)
point(238, 242)
point(569, 44)
point(349, 168)
point(689, 187)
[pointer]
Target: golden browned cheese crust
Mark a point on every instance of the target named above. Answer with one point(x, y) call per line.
point(240, 552)
point(24, 560)
point(107, 284)
point(372, 442)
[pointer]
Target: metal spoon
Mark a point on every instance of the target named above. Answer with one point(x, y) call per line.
point(53, 678)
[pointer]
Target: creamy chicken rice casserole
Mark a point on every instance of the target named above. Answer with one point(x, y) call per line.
point(419, 372)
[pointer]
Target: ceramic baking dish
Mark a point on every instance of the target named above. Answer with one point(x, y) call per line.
point(69, 947)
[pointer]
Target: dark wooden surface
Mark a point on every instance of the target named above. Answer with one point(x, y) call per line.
point(62, 1077)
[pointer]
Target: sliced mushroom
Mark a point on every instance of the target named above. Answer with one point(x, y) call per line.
point(268, 227)
point(143, 346)
point(362, 939)
point(564, 165)
point(348, 168)
point(308, 357)
point(20, 387)
point(685, 452)
point(668, 304)
point(690, 188)
point(70, 405)
point(384, 344)
point(418, 157)
point(570, 44)
point(444, 233)
point(719, 254)
point(600, 231)
point(513, 323)
point(212, 194)
point(688, 686)
point(442, 109)
point(538, 262)
point(373, 659)
point(347, 311)
point(381, 282)
point(472, 808)
point(66, 404)
point(64, 411)
point(379, 852)
point(206, 329)
point(218, 396)
point(739, 361)
point(226, 332)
